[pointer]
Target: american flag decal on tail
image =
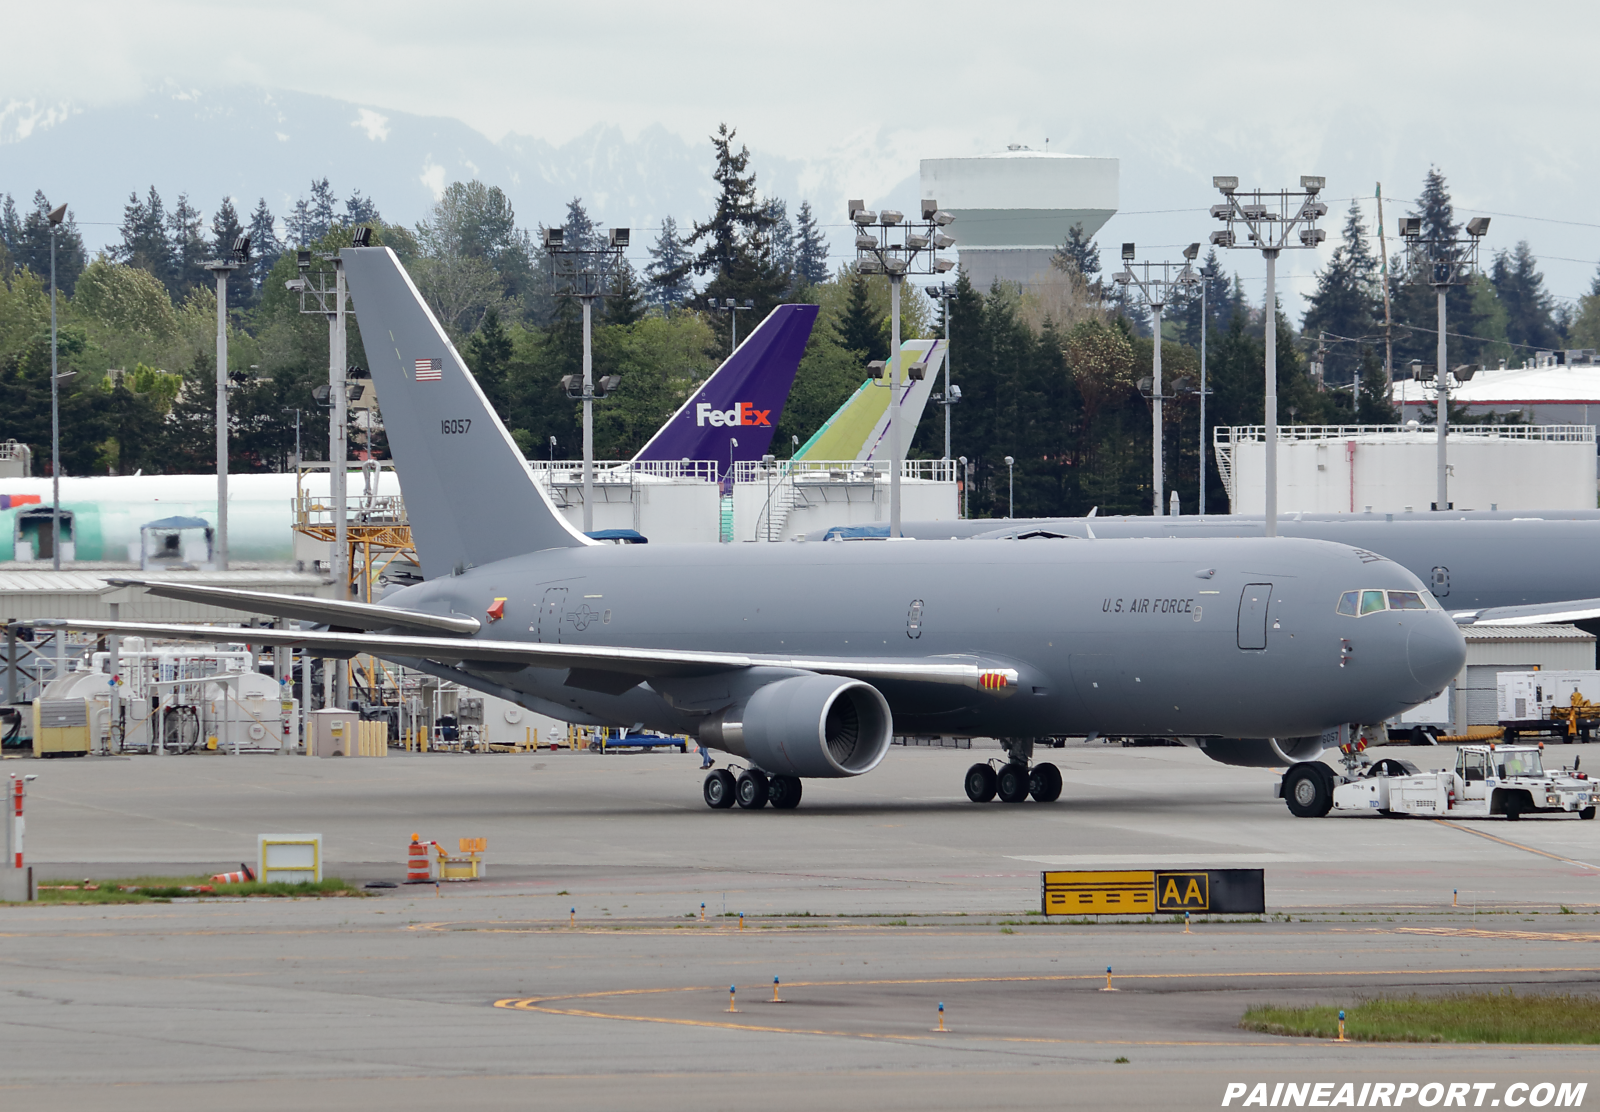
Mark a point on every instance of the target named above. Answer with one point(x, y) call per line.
point(429, 370)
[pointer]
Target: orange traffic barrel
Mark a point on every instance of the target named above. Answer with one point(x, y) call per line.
point(417, 869)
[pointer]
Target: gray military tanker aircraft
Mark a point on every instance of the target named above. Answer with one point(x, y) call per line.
point(1485, 567)
point(803, 660)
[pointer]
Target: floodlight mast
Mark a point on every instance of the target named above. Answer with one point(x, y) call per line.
point(1156, 290)
point(55, 217)
point(223, 268)
point(333, 302)
point(590, 273)
point(1270, 220)
point(1451, 260)
point(915, 251)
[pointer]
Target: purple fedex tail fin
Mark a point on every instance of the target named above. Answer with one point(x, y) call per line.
point(743, 399)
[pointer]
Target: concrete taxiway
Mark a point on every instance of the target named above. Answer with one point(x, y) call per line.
point(874, 902)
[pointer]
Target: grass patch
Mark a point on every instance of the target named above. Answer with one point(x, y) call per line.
point(1486, 1017)
point(163, 889)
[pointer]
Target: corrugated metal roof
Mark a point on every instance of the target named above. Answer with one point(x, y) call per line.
point(1528, 633)
point(1576, 385)
point(60, 582)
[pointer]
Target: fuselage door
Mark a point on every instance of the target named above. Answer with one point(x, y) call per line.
point(1253, 615)
point(552, 608)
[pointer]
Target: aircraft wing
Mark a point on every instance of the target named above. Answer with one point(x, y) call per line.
point(642, 663)
point(1544, 613)
point(323, 611)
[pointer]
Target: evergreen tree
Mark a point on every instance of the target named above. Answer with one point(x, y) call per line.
point(860, 329)
point(360, 210)
point(488, 353)
point(811, 248)
point(1413, 298)
point(736, 243)
point(144, 237)
point(666, 275)
point(1374, 406)
point(29, 245)
point(188, 250)
point(625, 305)
point(1529, 308)
point(264, 245)
point(1080, 254)
point(321, 210)
point(782, 235)
point(225, 229)
point(1345, 308)
point(11, 232)
point(580, 231)
point(1220, 304)
point(1438, 213)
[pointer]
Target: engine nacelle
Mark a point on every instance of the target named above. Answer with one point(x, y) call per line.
point(808, 725)
point(1261, 752)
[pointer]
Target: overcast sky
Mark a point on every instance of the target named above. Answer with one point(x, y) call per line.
point(1500, 96)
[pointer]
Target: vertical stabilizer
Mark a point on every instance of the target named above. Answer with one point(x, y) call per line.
point(743, 400)
point(469, 496)
point(859, 429)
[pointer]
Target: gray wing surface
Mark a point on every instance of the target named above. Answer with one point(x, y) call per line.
point(359, 615)
point(645, 663)
point(1544, 613)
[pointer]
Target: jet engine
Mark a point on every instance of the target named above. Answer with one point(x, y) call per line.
point(806, 725)
point(1261, 752)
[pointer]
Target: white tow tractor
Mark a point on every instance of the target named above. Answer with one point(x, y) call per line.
point(1505, 780)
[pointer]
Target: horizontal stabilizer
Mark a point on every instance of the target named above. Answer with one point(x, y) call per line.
point(323, 611)
point(636, 662)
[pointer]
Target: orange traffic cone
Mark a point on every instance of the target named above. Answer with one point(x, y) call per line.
point(244, 876)
point(417, 868)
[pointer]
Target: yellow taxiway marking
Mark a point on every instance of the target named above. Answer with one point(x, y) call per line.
point(1520, 936)
point(1517, 845)
point(545, 1004)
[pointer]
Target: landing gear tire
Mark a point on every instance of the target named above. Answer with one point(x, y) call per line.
point(751, 790)
point(783, 792)
point(1308, 790)
point(1044, 783)
point(1011, 784)
point(980, 783)
point(719, 790)
point(1586, 813)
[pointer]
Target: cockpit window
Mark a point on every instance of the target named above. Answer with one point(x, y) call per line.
point(1406, 600)
point(1371, 602)
point(1348, 602)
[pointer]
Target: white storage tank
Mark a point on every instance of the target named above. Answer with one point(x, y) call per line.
point(1393, 468)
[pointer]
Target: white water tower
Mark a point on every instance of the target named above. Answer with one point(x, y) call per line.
point(1014, 208)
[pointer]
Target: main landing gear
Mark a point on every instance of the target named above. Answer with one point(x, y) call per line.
point(752, 790)
point(1014, 781)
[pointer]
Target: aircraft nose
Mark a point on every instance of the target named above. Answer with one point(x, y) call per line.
point(1435, 652)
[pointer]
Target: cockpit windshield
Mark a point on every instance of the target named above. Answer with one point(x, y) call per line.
point(1356, 604)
